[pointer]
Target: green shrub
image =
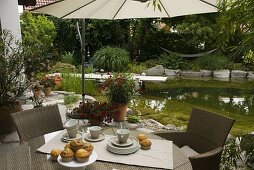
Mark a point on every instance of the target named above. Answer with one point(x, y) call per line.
point(111, 59)
point(133, 119)
point(134, 67)
point(70, 99)
point(67, 57)
point(213, 62)
point(151, 63)
point(72, 83)
point(248, 60)
point(63, 68)
point(174, 61)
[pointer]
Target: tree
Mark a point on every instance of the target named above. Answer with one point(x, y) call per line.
point(38, 34)
point(236, 26)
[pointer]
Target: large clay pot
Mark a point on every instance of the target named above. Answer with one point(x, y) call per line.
point(6, 122)
point(47, 91)
point(121, 112)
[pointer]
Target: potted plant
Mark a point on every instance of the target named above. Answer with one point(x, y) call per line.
point(48, 82)
point(95, 112)
point(37, 90)
point(12, 79)
point(119, 90)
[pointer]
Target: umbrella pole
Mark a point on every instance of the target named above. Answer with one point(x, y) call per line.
point(83, 50)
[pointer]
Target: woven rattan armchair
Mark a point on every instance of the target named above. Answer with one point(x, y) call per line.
point(206, 134)
point(36, 122)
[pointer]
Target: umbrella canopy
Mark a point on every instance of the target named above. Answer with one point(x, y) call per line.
point(123, 9)
point(126, 9)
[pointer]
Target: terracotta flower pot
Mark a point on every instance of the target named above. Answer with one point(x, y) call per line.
point(6, 123)
point(37, 94)
point(47, 91)
point(121, 112)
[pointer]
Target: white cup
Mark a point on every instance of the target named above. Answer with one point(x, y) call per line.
point(95, 131)
point(71, 124)
point(122, 135)
point(72, 133)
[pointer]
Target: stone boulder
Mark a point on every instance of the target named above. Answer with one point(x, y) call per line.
point(221, 73)
point(171, 73)
point(155, 71)
point(206, 73)
point(238, 74)
point(191, 73)
point(250, 75)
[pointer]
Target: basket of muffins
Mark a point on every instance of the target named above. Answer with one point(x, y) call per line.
point(74, 150)
point(144, 141)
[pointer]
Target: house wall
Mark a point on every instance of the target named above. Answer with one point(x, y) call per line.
point(9, 16)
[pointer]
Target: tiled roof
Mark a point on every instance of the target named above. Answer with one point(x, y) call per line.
point(39, 3)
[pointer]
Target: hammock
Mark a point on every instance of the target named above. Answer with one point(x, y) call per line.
point(189, 55)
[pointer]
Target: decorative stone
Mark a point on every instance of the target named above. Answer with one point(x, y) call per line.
point(250, 75)
point(221, 73)
point(191, 73)
point(129, 112)
point(238, 74)
point(170, 73)
point(155, 71)
point(206, 73)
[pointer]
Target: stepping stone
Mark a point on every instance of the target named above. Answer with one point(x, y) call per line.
point(145, 130)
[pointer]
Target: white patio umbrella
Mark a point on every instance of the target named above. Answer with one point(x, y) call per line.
point(123, 9)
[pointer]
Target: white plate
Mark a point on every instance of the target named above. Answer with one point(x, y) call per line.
point(66, 137)
point(88, 137)
point(115, 142)
point(76, 164)
point(123, 150)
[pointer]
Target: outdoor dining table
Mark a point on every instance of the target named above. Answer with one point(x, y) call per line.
point(26, 156)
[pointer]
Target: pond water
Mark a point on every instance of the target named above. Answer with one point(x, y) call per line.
point(226, 99)
point(229, 98)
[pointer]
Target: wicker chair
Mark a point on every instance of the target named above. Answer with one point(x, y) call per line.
point(36, 122)
point(206, 134)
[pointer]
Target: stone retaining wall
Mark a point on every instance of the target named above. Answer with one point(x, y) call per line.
point(218, 74)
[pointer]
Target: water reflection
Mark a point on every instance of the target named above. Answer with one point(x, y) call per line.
point(230, 100)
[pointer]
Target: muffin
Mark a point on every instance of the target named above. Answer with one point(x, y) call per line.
point(88, 146)
point(145, 144)
point(76, 145)
point(68, 145)
point(67, 155)
point(82, 155)
point(54, 154)
point(141, 137)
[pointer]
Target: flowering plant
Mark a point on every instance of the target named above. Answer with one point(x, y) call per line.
point(119, 88)
point(47, 81)
point(95, 111)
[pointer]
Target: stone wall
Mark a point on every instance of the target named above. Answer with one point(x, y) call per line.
point(159, 70)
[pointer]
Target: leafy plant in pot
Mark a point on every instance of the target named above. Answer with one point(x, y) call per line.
point(12, 82)
point(119, 89)
point(48, 82)
point(94, 111)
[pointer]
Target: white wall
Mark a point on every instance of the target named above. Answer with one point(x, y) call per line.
point(9, 16)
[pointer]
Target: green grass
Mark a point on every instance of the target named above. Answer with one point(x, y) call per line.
point(73, 84)
point(70, 99)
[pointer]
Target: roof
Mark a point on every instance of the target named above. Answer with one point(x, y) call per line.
point(39, 3)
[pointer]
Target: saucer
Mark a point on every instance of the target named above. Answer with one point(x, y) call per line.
point(115, 142)
point(66, 137)
point(88, 137)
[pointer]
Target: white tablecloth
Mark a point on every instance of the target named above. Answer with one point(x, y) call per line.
point(160, 155)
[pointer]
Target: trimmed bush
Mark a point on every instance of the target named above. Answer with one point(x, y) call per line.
point(111, 59)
